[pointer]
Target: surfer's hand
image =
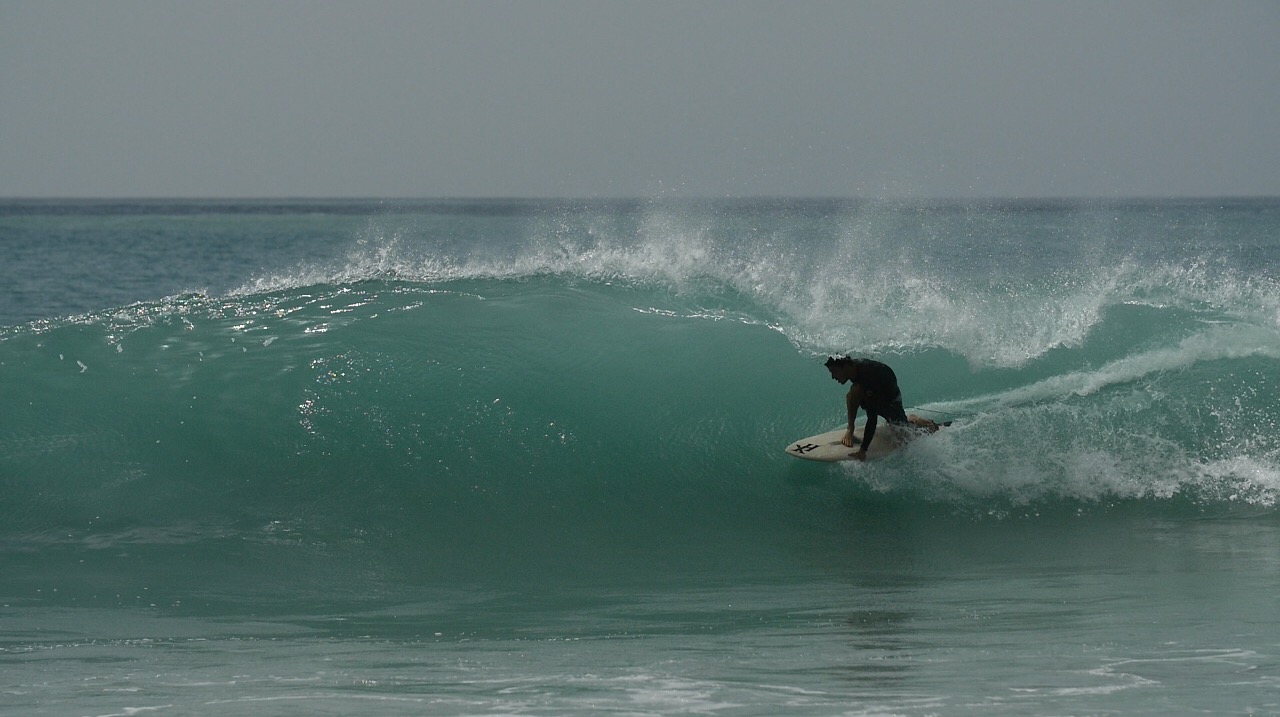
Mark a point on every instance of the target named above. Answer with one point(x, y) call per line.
point(847, 441)
point(860, 455)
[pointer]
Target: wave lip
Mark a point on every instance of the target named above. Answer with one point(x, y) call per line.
point(1001, 288)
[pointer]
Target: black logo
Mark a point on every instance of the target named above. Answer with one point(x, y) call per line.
point(805, 447)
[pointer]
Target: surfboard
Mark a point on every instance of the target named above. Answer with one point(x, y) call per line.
point(828, 448)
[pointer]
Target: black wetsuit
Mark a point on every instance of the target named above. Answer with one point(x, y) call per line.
point(880, 397)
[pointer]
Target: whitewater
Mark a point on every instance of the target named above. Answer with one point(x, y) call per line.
point(526, 457)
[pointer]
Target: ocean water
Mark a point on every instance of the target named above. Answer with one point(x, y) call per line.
point(526, 457)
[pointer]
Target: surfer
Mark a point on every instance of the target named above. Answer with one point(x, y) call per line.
point(874, 390)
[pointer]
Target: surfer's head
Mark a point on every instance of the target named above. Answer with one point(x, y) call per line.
point(842, 368)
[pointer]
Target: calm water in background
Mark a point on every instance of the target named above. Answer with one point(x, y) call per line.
point(525, 457)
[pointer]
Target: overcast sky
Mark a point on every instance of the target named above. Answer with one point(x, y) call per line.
point(294, 98)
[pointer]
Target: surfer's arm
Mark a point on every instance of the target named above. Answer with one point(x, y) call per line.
point(869, 431)
point(852, 400)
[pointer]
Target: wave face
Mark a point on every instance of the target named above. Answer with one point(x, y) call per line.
point(461, 381)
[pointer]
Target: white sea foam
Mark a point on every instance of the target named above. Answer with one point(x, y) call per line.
point(1217, 342)
point(1136, 430)
point(872, 279)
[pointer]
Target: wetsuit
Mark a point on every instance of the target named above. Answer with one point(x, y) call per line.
point(880, 397)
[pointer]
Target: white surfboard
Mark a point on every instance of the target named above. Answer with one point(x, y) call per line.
point(827, 446)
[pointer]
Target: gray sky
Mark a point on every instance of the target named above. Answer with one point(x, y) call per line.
point(584, 99)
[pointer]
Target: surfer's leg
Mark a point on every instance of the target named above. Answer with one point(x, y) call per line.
point(893, 413)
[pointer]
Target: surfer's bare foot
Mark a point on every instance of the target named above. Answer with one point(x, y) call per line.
point(921, 422)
